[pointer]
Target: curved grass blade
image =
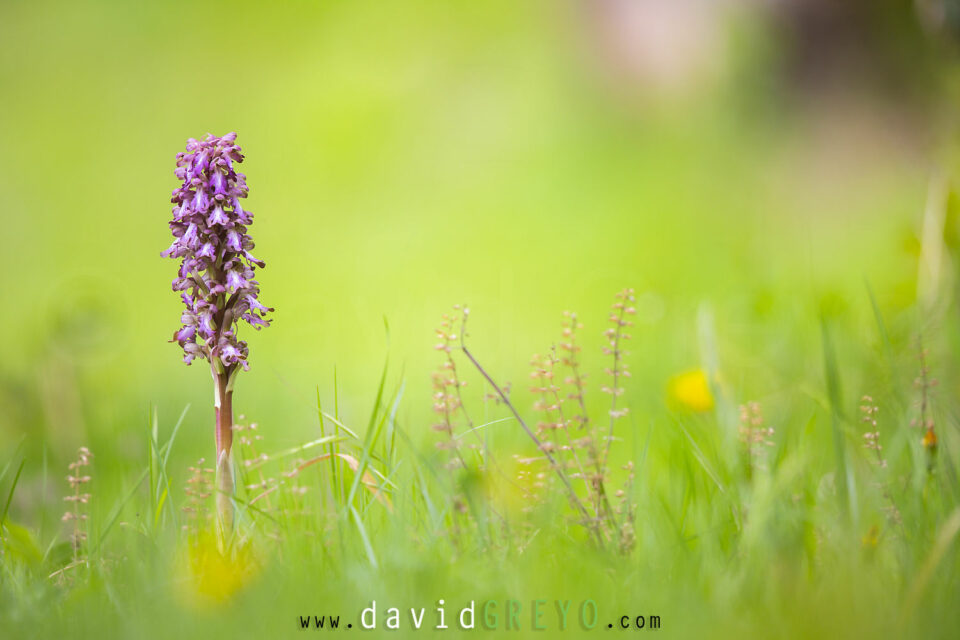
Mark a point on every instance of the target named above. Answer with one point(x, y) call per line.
point(13, 487)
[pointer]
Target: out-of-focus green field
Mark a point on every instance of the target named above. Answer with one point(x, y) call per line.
point(403, 157)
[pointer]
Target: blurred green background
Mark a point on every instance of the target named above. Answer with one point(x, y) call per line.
point(525, 158)
point(403, 157)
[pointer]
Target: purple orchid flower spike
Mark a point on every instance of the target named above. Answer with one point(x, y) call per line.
point(216, 278)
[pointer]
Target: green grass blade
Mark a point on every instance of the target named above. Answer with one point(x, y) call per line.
point(168, 446)
point(13, 487)
point(16, 450)
point(117, 509)
point(701, 458)
point(374, 429)
point(881, 325)
point(844, 474)
point(364, 537)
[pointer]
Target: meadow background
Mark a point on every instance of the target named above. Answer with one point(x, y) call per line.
point(753, 173)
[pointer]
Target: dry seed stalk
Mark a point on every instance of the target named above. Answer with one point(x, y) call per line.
point(77, 516)
point(924, 383)
point(199, 489)
point(871, 442)
point(755, 437)
point(554, 465)
point(581, 457)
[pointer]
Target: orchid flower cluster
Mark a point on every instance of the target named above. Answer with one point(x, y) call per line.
point(216, 277)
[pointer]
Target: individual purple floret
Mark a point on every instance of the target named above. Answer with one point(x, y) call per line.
point(216, 277)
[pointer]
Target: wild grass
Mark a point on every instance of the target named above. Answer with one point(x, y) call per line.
point(825, 512)
point(571, 449)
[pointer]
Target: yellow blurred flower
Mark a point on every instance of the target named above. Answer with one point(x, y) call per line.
point(213, 576)
point(690, 391)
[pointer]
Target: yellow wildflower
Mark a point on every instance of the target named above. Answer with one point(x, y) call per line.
point(212, 576)
point(690, 391)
